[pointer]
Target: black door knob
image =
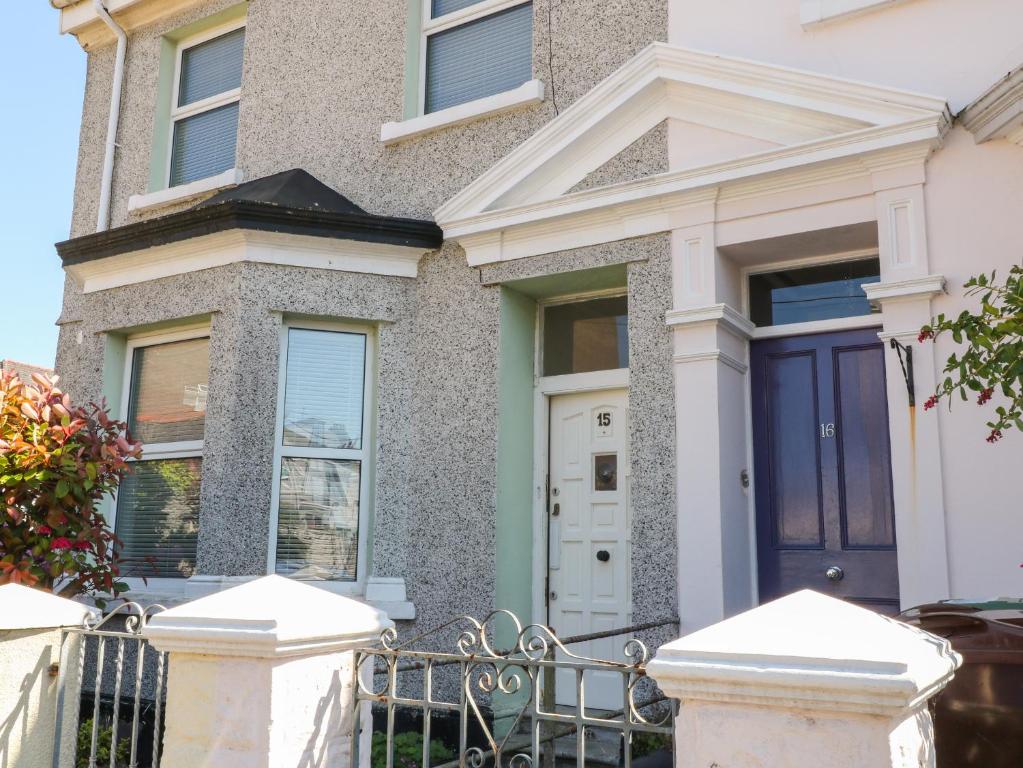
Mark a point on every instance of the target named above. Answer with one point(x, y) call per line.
point(603, 555)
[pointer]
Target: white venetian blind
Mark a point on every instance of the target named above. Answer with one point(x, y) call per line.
point(479, 59)
point(210, 68)
point(318, 518)
point(157, 518)
point(323, 400)
point(169, 386)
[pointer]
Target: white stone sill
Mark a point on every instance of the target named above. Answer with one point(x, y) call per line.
point(183, 192)
point(816, 12)
point(528, 93)
point(172, 592)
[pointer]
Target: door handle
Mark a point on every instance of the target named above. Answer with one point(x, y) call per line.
point(603, 555)
point(834, 573)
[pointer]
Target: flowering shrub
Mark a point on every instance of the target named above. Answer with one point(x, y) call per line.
point(993, 358)
point(57, 462)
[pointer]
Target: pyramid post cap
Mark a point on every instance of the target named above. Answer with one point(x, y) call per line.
point(269, 617)
point(23, 607)
point(812, 649)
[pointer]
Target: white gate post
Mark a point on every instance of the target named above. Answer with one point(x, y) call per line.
point(30, 644)
point(806, 680)
point(260, 676)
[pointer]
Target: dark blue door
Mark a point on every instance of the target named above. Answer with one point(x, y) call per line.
point(822, 468)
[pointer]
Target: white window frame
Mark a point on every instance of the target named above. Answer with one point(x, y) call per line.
point(184, 449)
point(364, 455)
point(204, 105)
point(432, 26)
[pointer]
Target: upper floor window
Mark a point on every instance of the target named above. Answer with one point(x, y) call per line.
point(157, 510)
point(204, 113)
point(322, 453)
point(473, 49)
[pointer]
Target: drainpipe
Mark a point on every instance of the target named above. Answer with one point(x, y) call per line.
point(103, 219)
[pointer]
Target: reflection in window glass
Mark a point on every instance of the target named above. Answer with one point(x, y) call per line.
point(812, 293)
point(318, 519)
point(157, 518)
point(586, 336)
point(324, 389)
point(169, 386)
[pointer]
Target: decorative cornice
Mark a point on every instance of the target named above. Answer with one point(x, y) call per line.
point(238, 246)
point(712, 313)
point(716, 355)
point(81, 20)
point(248, 215)
point(998, 113)
point(902, 290)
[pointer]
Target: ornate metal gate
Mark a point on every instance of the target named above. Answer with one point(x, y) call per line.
point(498, 700)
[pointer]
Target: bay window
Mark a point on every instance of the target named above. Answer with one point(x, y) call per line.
point(321, 454)
point(157, 507)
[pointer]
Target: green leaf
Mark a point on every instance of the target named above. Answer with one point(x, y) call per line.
point(62, 489)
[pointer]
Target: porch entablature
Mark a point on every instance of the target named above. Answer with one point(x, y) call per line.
point(805, 129)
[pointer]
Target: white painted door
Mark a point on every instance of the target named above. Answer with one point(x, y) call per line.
point(589, 540)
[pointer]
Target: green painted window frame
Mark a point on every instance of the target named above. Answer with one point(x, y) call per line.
point(159, 163)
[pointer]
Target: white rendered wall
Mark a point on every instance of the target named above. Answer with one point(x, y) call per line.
point(974, 196)
point(950, 48)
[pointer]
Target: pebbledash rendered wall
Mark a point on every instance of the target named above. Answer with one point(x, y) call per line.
point(319, 79)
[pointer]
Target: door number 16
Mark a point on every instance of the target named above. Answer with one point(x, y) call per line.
point(827, 430)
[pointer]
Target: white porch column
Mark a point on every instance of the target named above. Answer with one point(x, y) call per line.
point(710, 353)
point(30, 642)
point(261, 675)
point(806, 680)
point(905, 293)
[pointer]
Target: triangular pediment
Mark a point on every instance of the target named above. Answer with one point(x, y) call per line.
point(720, 111)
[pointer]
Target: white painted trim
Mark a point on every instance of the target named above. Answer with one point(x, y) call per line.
point(574, 383)
point(715, 354)
point(640, 84)
point(183, 192)
point(815, 12)
point(818, 326)
point(251, 246)
point(527, 94)
point(998, 113)
point(912, 289)
point(365, 455)
point(712, 313)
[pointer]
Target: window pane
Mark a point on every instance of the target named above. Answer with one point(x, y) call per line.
point(812, 293)
point(441, 7)
point(169, 384)
point(326, 371)
point(158, 517)
point(478, 59)
point(211, 68)
point(318, 519)
point(204, 144)
point(586, 336)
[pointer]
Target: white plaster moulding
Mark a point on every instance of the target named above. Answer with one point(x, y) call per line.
point(240, 245)
point(911, 289)
point(813, 13)
point(183, 192)
point(714, 354)
point(527, 94)
point(638, 87)
point(732, 320)
point(998, 113)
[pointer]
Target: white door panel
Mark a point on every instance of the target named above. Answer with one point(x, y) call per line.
point(590, 570)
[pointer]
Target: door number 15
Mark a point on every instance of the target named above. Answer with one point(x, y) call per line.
point(827, 430)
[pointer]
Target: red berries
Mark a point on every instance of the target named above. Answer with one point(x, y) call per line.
point(984, 396)
point(931, 402)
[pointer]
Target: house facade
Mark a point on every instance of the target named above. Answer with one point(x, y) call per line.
point(584, 310)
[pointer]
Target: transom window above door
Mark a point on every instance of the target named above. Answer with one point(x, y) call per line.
point(584, 336)
point(806, 294)
point(473, 49)
point(204, 112)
